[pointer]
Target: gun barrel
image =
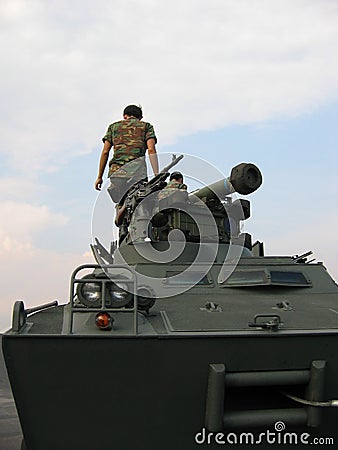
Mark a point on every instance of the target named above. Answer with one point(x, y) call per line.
point(220, 189)
point(245, 178)
point(172, 164)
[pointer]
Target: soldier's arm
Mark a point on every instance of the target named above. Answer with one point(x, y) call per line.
point(152, 155)
point(102, 165)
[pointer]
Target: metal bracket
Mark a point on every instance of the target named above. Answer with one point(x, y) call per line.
point(101, 254)
point(273, 324)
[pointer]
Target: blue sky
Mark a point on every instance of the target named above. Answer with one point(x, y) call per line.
point(226, 81)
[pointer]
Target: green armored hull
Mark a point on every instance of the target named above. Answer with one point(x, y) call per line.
point(237, 354)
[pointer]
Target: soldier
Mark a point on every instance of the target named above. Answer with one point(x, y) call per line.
point(175, 182)
point(131, 138)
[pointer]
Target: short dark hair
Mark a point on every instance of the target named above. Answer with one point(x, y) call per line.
point(176, 176)
point(133, 110)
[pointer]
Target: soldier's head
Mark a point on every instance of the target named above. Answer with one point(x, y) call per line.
point(133, 111)
point(177, 176)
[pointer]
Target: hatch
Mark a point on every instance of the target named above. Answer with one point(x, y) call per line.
point(263, 277)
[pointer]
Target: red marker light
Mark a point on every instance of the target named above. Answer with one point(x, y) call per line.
point(104, 321)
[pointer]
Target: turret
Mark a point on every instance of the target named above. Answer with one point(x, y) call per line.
point(206, 214)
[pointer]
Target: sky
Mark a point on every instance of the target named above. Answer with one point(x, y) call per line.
point(227, 81)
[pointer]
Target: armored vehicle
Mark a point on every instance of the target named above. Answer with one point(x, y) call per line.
point(183, 336)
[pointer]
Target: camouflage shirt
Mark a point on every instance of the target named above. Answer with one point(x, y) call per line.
point(129, 138)
point(172, 186)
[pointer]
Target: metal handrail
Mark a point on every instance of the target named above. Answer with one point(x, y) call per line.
point(74, 281)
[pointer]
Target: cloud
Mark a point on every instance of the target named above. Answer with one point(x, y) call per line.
point(28, 272)
point(21, 188)
point(193, 65)
point(35, 276)
point(24, 220)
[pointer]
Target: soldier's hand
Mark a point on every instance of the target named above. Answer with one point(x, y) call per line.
point(98, 184)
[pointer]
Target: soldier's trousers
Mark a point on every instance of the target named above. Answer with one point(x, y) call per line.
point(119, 187)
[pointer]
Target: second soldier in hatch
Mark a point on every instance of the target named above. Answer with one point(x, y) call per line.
point(131, 139)
point(175, 183)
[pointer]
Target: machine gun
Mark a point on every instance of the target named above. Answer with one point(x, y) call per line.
point(245, 178)
point(138, 192)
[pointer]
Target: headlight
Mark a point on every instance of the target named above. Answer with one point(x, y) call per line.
point(90, 294)
point(118, 294)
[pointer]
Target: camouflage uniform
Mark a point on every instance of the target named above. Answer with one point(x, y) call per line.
point(172, 186)
point(129, 139)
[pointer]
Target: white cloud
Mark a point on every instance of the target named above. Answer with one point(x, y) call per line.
point(71, 68)
point(20, 189)
point(24, 220)
point(28, 272)
point(35, 276)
